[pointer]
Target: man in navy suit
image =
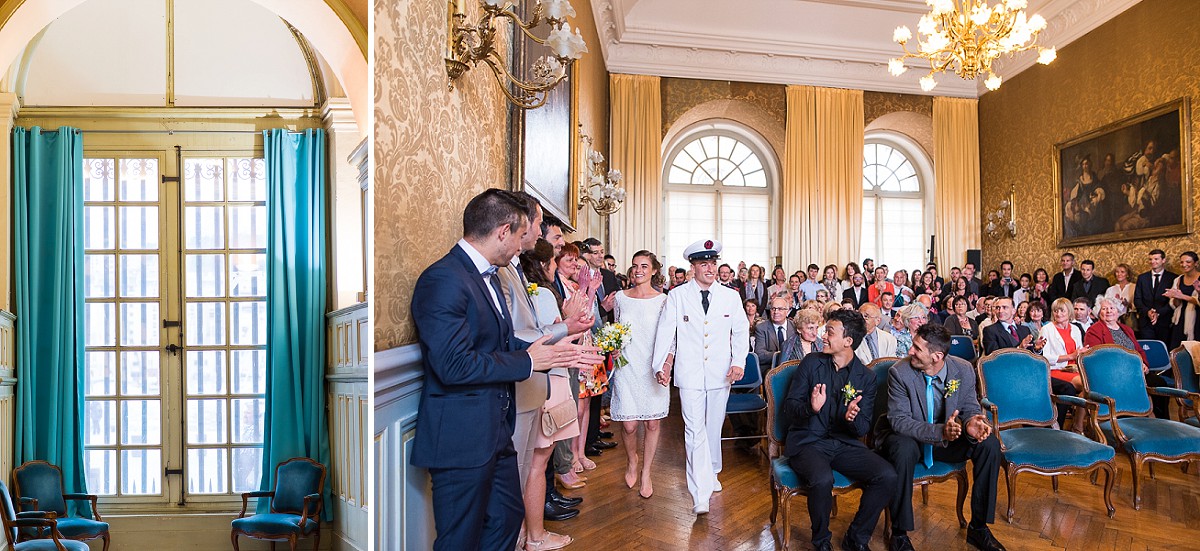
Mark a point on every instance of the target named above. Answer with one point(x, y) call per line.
point(472, 359)
point(1006, 333)
point(1154, 309)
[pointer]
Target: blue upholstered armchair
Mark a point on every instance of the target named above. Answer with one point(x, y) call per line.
point(38, 486)
point(1186, 381)
point(1112, 378)
point(295, 506)
point(784, 482)
point(35, 520)
point(922, 476)
point(1016, 389)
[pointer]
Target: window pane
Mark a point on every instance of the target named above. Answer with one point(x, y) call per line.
point(97, 179)
point(902, 235)
point(100, 320)
point(141, 472)
point(247, 179)
point(249, 323)
point(205, 372)
point(139, 324)
point(99, 276)
point(690, 216)
point(203, 180)
point(139, 227)
point(101, 423)
point(247, 469)
point(249, 371)
point(248, 420)
point(140, 373)
point(101, 471)
point(98, 228)
point(248, 277)
point(868, 229)
point(205, 323)
point(205, 275)
point(206, 421)
point(743, 233)
point(247, 227)
point(206, 470)
point(140, 422)
point(139, 275)
point(204, 227)
point(139, 179)
point(101, 374)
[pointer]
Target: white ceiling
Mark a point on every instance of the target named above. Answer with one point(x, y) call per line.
point(224, 53)
point(836, 43)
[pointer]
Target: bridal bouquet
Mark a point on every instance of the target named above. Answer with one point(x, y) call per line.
point(611, 338)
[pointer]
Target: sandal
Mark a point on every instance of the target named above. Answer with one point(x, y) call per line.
point(548, 542)
point(588, 464)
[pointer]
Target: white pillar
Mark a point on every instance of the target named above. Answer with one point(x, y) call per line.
point(347, 276)
point(9, 105)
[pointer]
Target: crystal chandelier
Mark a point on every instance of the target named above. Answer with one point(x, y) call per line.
point(1003, 221)
point(598, 186)
point(470, 45)
point(967, 36)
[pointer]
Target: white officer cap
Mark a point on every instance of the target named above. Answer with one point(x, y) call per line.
point(705, 249)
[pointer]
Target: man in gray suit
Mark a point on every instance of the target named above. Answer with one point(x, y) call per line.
point(771, 333)
point(933, 413)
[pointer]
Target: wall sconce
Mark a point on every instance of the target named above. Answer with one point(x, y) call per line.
point(468, 45)
point(598, 186)
point(1004, 219)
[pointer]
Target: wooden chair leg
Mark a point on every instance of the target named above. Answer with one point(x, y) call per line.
point(1011, 478)
point(1054, 482)
point(833, 512)
point(1109, 478)
point(1135, 464)
point(962, 498)
point(233, 538)
point(105, 537)
point(317, 537)
point(787, 524)
point(292, 541)
point(925, 494)
point(774, 500)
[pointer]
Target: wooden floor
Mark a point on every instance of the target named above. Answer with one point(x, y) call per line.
point(614, 517)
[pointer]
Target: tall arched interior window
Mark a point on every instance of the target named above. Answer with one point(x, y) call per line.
point(894, 205)
point(718, 185)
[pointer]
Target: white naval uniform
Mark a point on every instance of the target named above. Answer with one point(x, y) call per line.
point(706, 346)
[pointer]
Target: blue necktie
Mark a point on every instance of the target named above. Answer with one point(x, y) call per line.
point(928, 448)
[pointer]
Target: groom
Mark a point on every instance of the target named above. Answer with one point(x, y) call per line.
point(707, 330)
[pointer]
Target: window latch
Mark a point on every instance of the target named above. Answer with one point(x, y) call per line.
point(174, 349)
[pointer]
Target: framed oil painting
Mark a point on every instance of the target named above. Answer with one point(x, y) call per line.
point(544, 140)
point(1128, 180)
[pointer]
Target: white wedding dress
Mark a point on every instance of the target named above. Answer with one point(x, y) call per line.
point(637, 396)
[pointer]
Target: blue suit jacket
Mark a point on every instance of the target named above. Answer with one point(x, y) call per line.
point(471, 361)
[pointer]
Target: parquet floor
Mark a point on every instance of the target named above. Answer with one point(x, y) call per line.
point(613, 517)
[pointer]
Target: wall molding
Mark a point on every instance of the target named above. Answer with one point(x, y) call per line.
point(399, 372)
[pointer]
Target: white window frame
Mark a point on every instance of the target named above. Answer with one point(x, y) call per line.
point(923, 166)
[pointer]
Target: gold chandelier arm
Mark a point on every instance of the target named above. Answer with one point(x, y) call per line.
point(500, 69)
point(526, 26)
point(530, 99)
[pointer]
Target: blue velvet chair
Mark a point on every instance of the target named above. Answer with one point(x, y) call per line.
point(963, 347)
point(32, 520)
point(784, 482)
point(923, 476)
point(747, 402)
point(1112, 378)
point(295, 511)
point(1186, 381)
point(1156, 354)
point(38, 486)
point(1016, 389)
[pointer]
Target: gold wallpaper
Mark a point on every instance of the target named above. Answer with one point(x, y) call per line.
point(434, 149)
point(682, 94)
point(877, 104)
point(1136, 61)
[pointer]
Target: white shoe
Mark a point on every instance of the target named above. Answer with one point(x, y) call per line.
point(700, 509)
point(716, 484)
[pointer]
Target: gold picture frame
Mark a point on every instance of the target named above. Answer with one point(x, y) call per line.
point(1127, 180)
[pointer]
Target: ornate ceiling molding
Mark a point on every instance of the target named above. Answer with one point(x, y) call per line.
point(632, 41)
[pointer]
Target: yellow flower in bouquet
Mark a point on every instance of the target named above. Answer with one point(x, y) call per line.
point(611, 338)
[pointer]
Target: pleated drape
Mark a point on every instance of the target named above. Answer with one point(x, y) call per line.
point(635, 148)
point(956, 169)
point(821, 195)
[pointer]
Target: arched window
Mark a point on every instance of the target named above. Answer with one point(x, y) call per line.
point(718, 184)
point(894, 204)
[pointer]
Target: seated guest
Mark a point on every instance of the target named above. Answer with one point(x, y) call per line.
point(823, 296)
point(877, 343)
point(779, 283)
point(856, 292)
point(828, 409)
point(770, 334)
point(904, 293)
point(725, 277)
point(880, 286)
point(1035, 316)
point(832, 284)
point(1083, 313)
point(1006, 332)
point(933, 414)
point(1111, 331)
point(911, 317)
point(886, 311)
point(1064, 343)
point(1090, 286)
point(991, 287)
point(811, 284)
point(934, 315)
point(981, 309)
point(805, 341)
point(989, 317)
point(754, 287)
point(958, 323)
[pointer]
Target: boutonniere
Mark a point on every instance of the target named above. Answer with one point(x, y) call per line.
point(531, 289)
point(848, 394)
point(951, 387)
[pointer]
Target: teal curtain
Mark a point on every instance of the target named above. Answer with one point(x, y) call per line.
point(47, 183)
point(296, 425)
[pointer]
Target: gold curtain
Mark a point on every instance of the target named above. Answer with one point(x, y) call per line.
point(840, 130)
point(956, 171)
point(635, 148)
point(799, 204)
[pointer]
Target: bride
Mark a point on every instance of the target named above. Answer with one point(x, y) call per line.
point(640, 393)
